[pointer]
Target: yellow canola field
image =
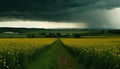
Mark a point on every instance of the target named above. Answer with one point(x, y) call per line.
point(23, 44)
point(99, 44)
point(15, 51)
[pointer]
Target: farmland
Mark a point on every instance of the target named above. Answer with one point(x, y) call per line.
point(95, 53)
point(55, 33)
point(14, 53)
point(60, 53)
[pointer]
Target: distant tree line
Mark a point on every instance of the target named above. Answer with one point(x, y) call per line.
point(114, 31)
point(54, 35)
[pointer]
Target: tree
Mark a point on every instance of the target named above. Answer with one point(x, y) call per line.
point(76, 35)
point(31, 36)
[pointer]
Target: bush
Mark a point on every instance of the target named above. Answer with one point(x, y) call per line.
point(77, 35)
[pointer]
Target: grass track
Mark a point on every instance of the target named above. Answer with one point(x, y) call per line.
point(46, 61)
point(65, 59)
point(57, 57)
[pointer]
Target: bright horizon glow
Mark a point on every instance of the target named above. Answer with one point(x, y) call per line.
point(41, 24)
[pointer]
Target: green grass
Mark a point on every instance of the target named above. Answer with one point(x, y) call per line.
point(45, 61)
point(12, 35)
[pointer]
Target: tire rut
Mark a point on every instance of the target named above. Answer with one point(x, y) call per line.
point(65, 59)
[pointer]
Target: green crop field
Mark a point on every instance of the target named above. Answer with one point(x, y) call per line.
point(61, 53)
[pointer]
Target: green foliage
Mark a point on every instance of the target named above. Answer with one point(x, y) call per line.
point(93, 59)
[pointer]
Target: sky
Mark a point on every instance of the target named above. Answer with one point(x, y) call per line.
point(60, 13)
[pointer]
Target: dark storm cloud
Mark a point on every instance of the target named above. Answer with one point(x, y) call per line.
point(58, 10)
point(41, 9)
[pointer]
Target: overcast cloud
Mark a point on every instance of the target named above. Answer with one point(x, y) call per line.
point(94, 13)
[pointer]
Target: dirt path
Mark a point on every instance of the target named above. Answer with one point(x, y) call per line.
point(65, 59)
